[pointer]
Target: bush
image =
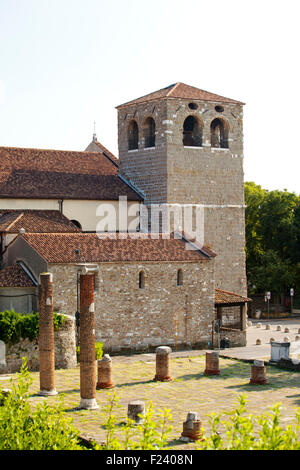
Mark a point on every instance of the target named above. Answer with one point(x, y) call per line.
point(150, 435)
point(14, 326)
point(22, 428)
point(262, 432)
point(98, 350)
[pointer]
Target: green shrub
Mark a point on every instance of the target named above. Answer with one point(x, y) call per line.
point(150, 435)
point(43, 428)
point(14, 326)
point(98, 351)
point(241, 432)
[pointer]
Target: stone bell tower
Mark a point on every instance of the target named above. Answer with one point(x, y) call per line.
point(182, 145)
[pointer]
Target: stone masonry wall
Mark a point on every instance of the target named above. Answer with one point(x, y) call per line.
point(65, 350)
point(145, 167)
point(131, 319)
point(172, 173)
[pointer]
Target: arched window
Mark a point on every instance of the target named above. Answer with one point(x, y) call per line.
point(133, 135)
point(75, 222)
point(141, 280)
point(219, 133)
point(149, 132)
point(179, 277)
point(192, 132)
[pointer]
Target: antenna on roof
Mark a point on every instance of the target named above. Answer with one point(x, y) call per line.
point(94, 135)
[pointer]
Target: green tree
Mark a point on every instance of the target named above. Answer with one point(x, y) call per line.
point(272, 239)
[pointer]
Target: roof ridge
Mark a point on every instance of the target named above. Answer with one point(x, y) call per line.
point(14, 221)
point(50, 150)
point(173, 88)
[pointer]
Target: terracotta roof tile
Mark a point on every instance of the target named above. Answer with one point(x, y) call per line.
point(60, 248)
point(60, 185)
point(36, 173)
point(36, 221)
point(181, 90)
point(15, 276)
point(225, 297)
point(93, 163)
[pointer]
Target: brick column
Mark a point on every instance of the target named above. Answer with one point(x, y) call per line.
point(88, 363)
point(163, 364)
point(46, 336)
point(258, 373)
point(192, 428)
point(104, 372)
point(212, 363)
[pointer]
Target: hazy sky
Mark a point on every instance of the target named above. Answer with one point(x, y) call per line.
point(66, 63)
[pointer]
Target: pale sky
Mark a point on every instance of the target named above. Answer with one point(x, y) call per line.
point(66, 63)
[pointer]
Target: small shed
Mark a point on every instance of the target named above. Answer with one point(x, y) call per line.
point(230, 317)
point(18, 289)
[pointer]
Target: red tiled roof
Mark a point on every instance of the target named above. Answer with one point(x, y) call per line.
point(224, 297)
point(90, 163)
point(181, 90)
point(14, 276)
point(60, 248)
point(36, 221)
point(60, 185)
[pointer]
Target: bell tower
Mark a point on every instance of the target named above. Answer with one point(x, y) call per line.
point(184, 146)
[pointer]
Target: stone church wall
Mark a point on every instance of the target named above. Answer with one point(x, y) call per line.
point(129, 319)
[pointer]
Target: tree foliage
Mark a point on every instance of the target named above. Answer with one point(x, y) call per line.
point(272, 239)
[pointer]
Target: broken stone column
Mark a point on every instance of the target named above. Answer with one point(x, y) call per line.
point(163, 364)
point(104, 372)
point(212, 363)
point(88, 372)
point(191, 428)
point(46, 336)
point(136, 411)
point(258, 373)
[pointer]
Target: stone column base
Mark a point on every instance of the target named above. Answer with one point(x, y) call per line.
point(191, 435)
point(88, 404)
point(258, 381)
point(104, 385)
point(159, 378)
point(211, 372)
point(47, 393)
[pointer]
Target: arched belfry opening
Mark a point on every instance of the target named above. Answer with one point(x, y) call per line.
point(133, 135)
point(149, 132)
point(192, 132)
point(219, 131)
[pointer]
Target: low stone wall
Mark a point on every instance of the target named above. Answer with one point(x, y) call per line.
point(237, 338)
point(65, 350)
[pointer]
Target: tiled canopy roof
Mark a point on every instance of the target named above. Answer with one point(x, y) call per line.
point(223, 297)
point(36, 221)
point(92, 248)
point(15, 276)
point(37, 173)
point(181, 90)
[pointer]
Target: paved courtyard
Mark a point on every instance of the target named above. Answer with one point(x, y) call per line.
point(190, 389)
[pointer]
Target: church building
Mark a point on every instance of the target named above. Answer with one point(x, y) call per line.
point(182, 282)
